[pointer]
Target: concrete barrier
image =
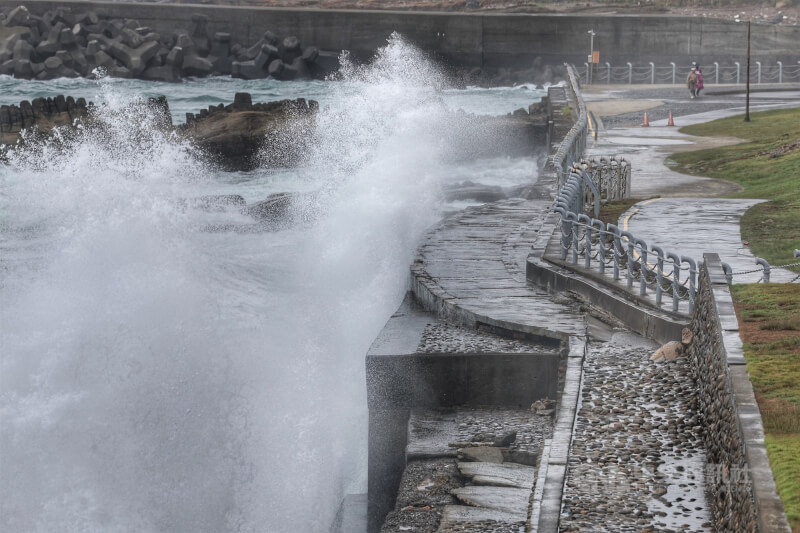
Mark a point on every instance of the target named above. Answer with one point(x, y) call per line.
point(472, 39)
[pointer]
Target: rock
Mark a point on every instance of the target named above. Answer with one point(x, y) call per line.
point(9, 38)
point(669, 352)
point(290, 49)
point(131, 38)
point(66, 37)
point(505, 439)
point(200, 34)
point(19, 16)
point(499, 474)
point(135, 60)
point(242, 101)
point(166, 73)
point(310, 54)
point(220, 55)
point(485, 454)
point(7, 67)
point(65, 57)
point(53, 63)
point(235, 134)
point(23, 68)
point(513, 501)
point(51, 45)
point(194, 65)
point(175, 57)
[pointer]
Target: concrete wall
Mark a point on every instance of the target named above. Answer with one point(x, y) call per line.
point(739, 480)
point(484, 40)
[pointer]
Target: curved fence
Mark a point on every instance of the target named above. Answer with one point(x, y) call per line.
point(646, 268)
point(589, 242)
point(672, 73)
point(571, 148)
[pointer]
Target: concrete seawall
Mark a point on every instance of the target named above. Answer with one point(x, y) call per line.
point(474, 40)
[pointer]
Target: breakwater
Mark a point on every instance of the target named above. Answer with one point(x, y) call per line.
point(67, 42)
point(487, 41)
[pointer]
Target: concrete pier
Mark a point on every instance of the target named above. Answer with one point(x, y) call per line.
point(489, 41)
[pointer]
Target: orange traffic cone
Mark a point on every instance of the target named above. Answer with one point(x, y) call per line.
point(646, 120)
point(670, 122)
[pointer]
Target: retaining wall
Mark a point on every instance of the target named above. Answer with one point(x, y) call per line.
point(738, 476)
point(473, 39)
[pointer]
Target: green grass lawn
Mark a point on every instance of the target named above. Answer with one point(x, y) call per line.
point(768, 167)
point(769, 322)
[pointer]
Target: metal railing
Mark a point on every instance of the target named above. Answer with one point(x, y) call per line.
point(713, 73)
point(592, 244)
point(572, 146)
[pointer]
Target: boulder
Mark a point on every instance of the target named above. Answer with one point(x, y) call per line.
point(19, 16)
point(53, 63)
point(235, 134)
point(130, 38)
point(175, 57)
point(134, 59)
point(7, 67)
point(290, 49)
point(51, 44)
point(200, 34)
point(9, 38)
point(194, 65)
point(22, 51)
point(166, 73)
point(220, 55)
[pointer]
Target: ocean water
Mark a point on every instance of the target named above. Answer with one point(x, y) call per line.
point(157, 377)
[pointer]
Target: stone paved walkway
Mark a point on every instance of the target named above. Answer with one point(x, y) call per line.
point(637, 461)
point(698, 218)
point(475, 261)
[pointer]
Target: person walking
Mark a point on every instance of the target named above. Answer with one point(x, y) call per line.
point(700, 85)
point(691, 82)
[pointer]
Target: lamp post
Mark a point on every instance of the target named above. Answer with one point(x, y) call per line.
point(747, 90)
point(591, 54)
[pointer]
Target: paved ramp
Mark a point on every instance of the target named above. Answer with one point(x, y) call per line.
point(471, 268)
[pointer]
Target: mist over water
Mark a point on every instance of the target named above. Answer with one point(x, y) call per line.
point(158, 377)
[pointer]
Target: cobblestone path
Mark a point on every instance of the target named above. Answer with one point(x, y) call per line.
point(637, 461)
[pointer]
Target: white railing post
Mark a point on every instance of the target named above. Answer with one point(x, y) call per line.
point(673, 71)
point(608, 70)
point(780, 72)
point(716, 71)
point(630, 73)
point(652, 73)
point(758, 63)
point(738, 69)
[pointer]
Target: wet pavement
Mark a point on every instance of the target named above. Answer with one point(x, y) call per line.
point(696, 216)
point(474, 262)
point(634, 457)
point(637, 460)
point(700, 221)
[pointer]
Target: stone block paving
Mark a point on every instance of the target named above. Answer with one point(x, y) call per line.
point(469, 470)
point(475, 260)
point(637, 460)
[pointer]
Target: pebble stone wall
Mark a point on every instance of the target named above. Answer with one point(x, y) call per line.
point(727, 478)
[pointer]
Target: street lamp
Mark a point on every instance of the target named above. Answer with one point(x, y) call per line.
point(591, 54)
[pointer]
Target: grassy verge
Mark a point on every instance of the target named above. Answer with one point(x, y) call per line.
point(769, 322)
point(768, 167)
